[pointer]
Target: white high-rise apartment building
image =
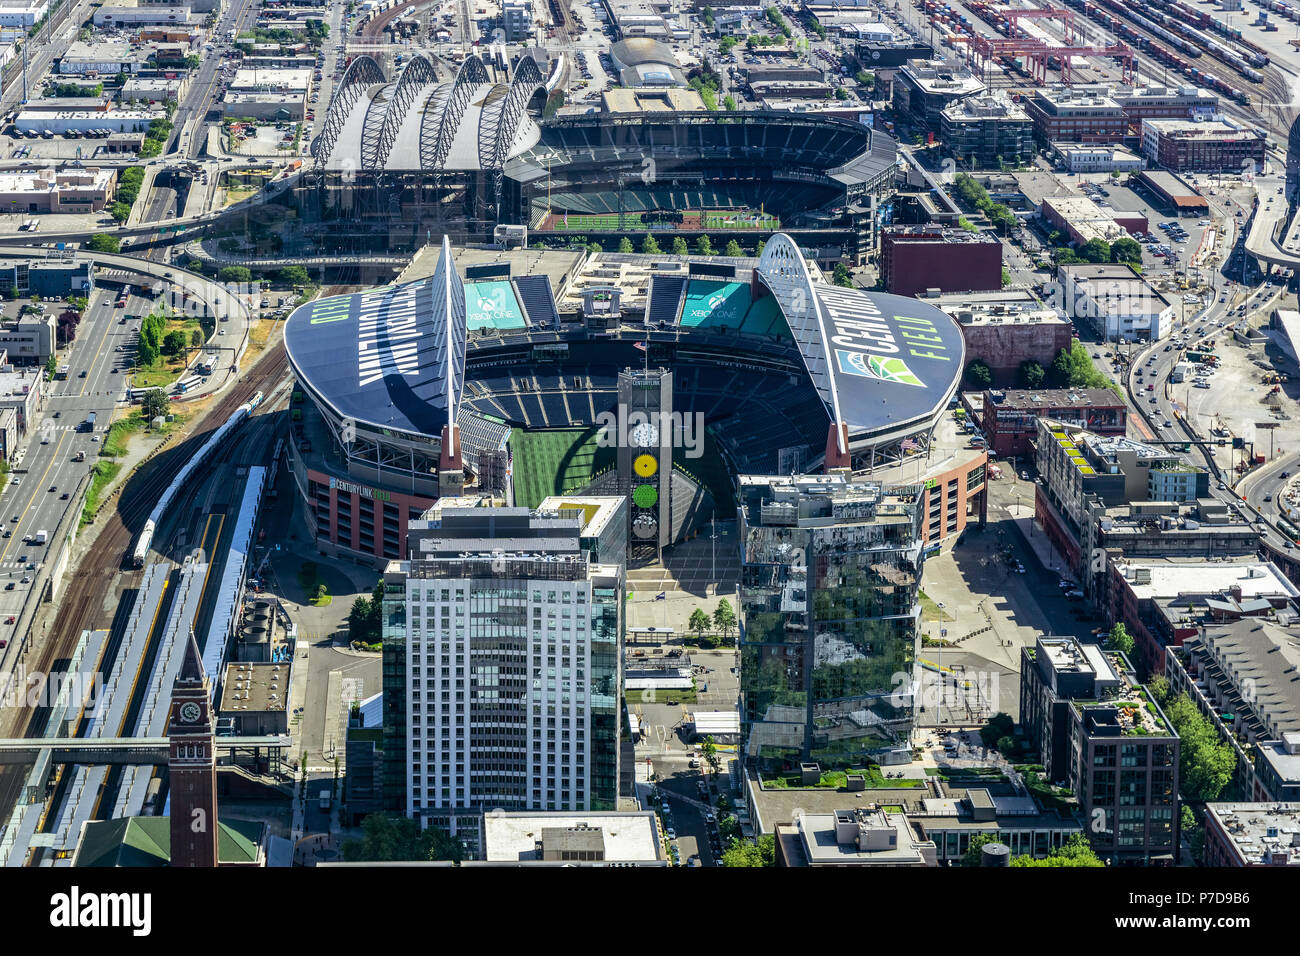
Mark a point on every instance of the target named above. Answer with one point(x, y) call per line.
point(511, 666)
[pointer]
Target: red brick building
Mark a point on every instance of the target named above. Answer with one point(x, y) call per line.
point(1009, 418)
point(1184, 146)
point(916, 258)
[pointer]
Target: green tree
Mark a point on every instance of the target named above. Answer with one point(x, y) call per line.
point(1030, 374)
point(1121, 639)
point(359, 621)
point(699, 622)
point(1159, 687)
point(704, 246)
point(729, 103)
point(594, 248)
point(196, 338)
point(625, 245)
point(1076, 852)
point(102, 242)
point(294, 275)
point(154, 403)
point(1192, 832)
point(841, 276)
point(120, 211)
point(1000, 725)
point(726, 44)
point(679, 247)
point(650, 245)
point(1126, 249)
point(389, 838)
point(1060, 373)
point(1095, 250)
point(12, 293)
point(51, 368)
point(237, 274)
point(174, 343)
point(733, 249)
point(978, 374)
point(865, 78)
point(322, 591)
point(724, 618)
point(746, 853)
point(707, 16)
point(972, 856)
point(1206, 763)
point(709, 751)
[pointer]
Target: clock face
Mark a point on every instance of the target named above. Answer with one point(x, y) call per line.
point(644, 435)
point(190, 712)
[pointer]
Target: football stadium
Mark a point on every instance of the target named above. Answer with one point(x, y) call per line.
point(405, 157)
point(501, 372)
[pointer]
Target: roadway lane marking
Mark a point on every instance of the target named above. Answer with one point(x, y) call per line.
point(4, 552)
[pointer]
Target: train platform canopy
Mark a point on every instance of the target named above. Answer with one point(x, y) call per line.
point(1175, 194)
point(393, 357)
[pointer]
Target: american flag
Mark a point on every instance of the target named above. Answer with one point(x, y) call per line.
point(639, 345)
point(909, 445)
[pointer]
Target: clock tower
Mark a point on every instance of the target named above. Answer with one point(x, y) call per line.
point(192, 765)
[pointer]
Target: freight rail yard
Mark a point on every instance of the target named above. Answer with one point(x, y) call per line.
point(1251, 63)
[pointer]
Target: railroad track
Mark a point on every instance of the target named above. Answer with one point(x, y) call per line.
point(81, 607)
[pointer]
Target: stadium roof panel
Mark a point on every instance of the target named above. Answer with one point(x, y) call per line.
point(409, 343)
point(882, 363)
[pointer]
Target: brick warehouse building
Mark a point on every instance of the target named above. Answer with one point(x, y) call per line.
point(1183, 146)
point(1009, 417)
point(1004, 328)
point(916, 258)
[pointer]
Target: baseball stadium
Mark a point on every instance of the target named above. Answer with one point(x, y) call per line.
point(495, 374)
point(405, 157)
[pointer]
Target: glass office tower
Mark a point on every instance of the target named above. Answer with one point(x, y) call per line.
point(830, 569)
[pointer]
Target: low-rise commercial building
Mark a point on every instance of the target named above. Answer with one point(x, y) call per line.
point(9, 433)
point(1142, 592)
point(1082, 219)
point(1060, 114)
point(22, 390)
point(255, 699)
point(118, 121)
point(1120, 304)
point(1084, 158)
point(1186, 146)
point(129, 14)
point(47, 277)
point(922, 88)
point(1005, 328)
point(22, 13)
point(273, 107)
point(1173, 194)
point(105, 57)
point(591, 838)
point(1101, 733)
point(914, 259)
point(863, 836)
point(72, 188)
point(1252, 834)
point(154, 90)
point(987, 131)
point(1009, 417)
point(30, 340)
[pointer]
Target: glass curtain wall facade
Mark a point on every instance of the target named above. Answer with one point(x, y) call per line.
point(829, 577)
